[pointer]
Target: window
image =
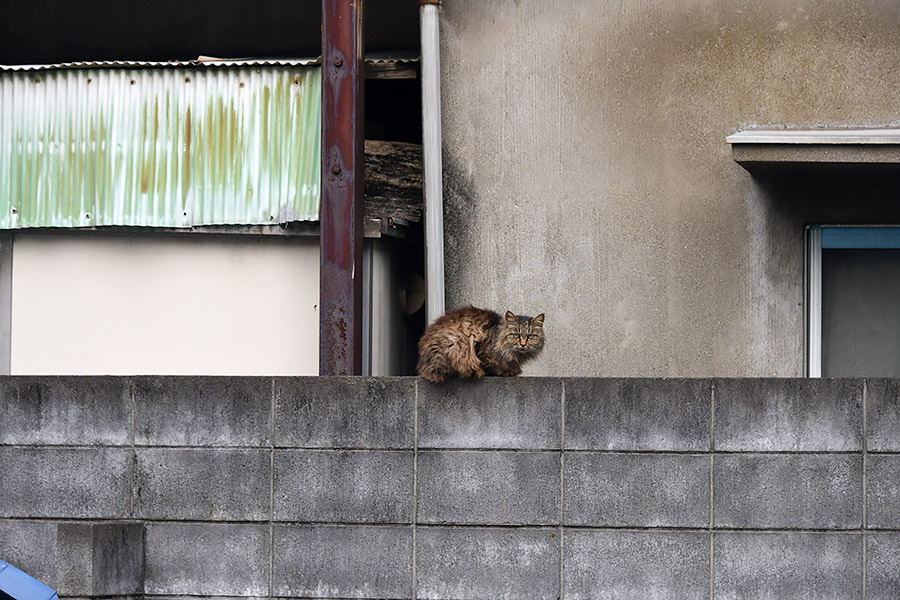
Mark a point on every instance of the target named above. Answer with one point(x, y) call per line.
point(853, 309)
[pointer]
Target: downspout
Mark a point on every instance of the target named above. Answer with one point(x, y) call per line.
point(431, 150)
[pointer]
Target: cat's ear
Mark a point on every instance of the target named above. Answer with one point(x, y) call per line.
point(511, 317)
point(538, 320)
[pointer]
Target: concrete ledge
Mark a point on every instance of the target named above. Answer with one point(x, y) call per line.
point(496, 412)
point(759, 415)
point(229, 487)
point(203, 411)
point(79, 411)
point(345, 412)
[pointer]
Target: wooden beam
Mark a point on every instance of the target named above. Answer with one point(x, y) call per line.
point(393, 184)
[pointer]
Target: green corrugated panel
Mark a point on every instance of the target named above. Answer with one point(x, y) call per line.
point(160, 147)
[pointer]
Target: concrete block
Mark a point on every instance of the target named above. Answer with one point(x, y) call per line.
point(103, 559)
point(807, 491)
point(788, 565)
point(496, 412)
point(883, 415)
point(203, 411)
point(638, 414)
point(208, 559)
point(68, 483)
point(215, 484)
point(651, 565)
point(72, 411)
point(344, 486)
point(30, 546)
point(883, 488)
point(760, 415)
point(883, 566)
point(342, 562)
point(500, 564)
point(636, 490)
point(488, 488)
point(345, 412)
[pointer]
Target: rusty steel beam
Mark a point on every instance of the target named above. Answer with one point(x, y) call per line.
point(341, 212)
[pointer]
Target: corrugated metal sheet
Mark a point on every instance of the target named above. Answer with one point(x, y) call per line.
point(153, 146)
point(143, 64)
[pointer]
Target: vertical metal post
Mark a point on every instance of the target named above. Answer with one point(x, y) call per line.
point(429, 28)
point(814, 302)
point(341, 212)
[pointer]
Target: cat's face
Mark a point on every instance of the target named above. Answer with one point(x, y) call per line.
point(523, 335)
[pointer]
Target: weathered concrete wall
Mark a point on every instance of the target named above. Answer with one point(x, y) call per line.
point(587, 174)
point(506, 488)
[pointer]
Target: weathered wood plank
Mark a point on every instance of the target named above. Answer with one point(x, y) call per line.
point(393, 180)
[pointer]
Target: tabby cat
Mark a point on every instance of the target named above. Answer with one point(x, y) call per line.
point(474, 342)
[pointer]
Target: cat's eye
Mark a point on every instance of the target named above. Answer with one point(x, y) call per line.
point(530, 336)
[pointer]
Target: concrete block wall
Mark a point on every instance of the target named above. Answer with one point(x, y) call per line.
point(167, 487)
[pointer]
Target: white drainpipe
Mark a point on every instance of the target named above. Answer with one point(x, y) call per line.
point(431, 150)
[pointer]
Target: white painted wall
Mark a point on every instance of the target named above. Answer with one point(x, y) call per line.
point(199, 305)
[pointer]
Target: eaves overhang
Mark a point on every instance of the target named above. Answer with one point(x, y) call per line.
point(778, 149)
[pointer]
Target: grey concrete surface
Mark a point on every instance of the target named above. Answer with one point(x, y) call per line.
point(100, 559)
point(215, 484)
point(778, 491)
point(788, 565)
point(651, 565)
point(208, 559)
point(882, 558)
point(638, 414)
point(883, 415)
point(81, 483)
point(496, 412)
point(65, 410)
point(31, 547)
point(343, 486)
point(883, 491)
point(488, 488)
point(343, 562)
point(469, 506)
point(788, 415)
point(208, 411)
point(500, 564)
point(313, 412)
point(636, 490)
point(586, 173)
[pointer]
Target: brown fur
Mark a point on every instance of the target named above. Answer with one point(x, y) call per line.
point(474, 342)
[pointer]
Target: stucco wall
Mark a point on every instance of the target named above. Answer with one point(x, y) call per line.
point(587, 174)
point(177, 305)
point(163, 487)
